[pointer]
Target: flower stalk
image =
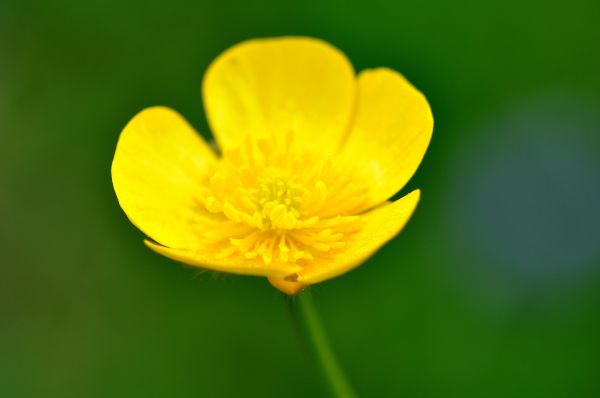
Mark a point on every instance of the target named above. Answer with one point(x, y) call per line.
point(307, 321)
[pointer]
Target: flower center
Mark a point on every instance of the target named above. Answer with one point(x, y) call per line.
point(277, 203)
point(277, 199)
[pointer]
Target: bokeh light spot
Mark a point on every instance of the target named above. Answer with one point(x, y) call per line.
point(525, 192)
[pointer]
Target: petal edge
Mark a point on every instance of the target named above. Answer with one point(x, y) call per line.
point(380, 225)
point(269, 87)
point(256, 268)
point(158, 163)
point(391, 132)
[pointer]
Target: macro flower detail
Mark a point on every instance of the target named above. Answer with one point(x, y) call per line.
point(309, 156)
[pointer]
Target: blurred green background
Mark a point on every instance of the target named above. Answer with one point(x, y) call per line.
point(491, 291)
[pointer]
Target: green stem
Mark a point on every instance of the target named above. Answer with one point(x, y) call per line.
point(305, 314)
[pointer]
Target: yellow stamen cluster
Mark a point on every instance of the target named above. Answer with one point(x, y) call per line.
point(278, 202)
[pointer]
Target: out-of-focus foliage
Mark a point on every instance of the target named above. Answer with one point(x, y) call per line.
point(492, 289)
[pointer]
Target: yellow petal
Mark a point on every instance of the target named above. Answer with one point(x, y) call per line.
point(269, 87)
point(390, 134)
point(247, 267)
point(159, 163)
point(378, 226)
point(288, 287)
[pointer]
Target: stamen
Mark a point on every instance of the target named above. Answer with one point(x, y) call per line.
point(275, 202)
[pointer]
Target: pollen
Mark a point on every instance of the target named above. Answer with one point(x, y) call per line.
point(278, 202)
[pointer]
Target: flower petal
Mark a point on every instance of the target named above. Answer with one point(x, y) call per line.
point(378, 227)
point(248, 267)
point(159, 163)
point(269, 87)
point(391, 132)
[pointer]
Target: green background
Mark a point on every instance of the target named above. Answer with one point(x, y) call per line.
point(492, 290)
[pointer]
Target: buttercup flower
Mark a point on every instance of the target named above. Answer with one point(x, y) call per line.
point(309, 156)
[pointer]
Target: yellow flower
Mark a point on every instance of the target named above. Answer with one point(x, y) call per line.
point(310, 155)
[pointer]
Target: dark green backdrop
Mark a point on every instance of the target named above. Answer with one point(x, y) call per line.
point(491, 291)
